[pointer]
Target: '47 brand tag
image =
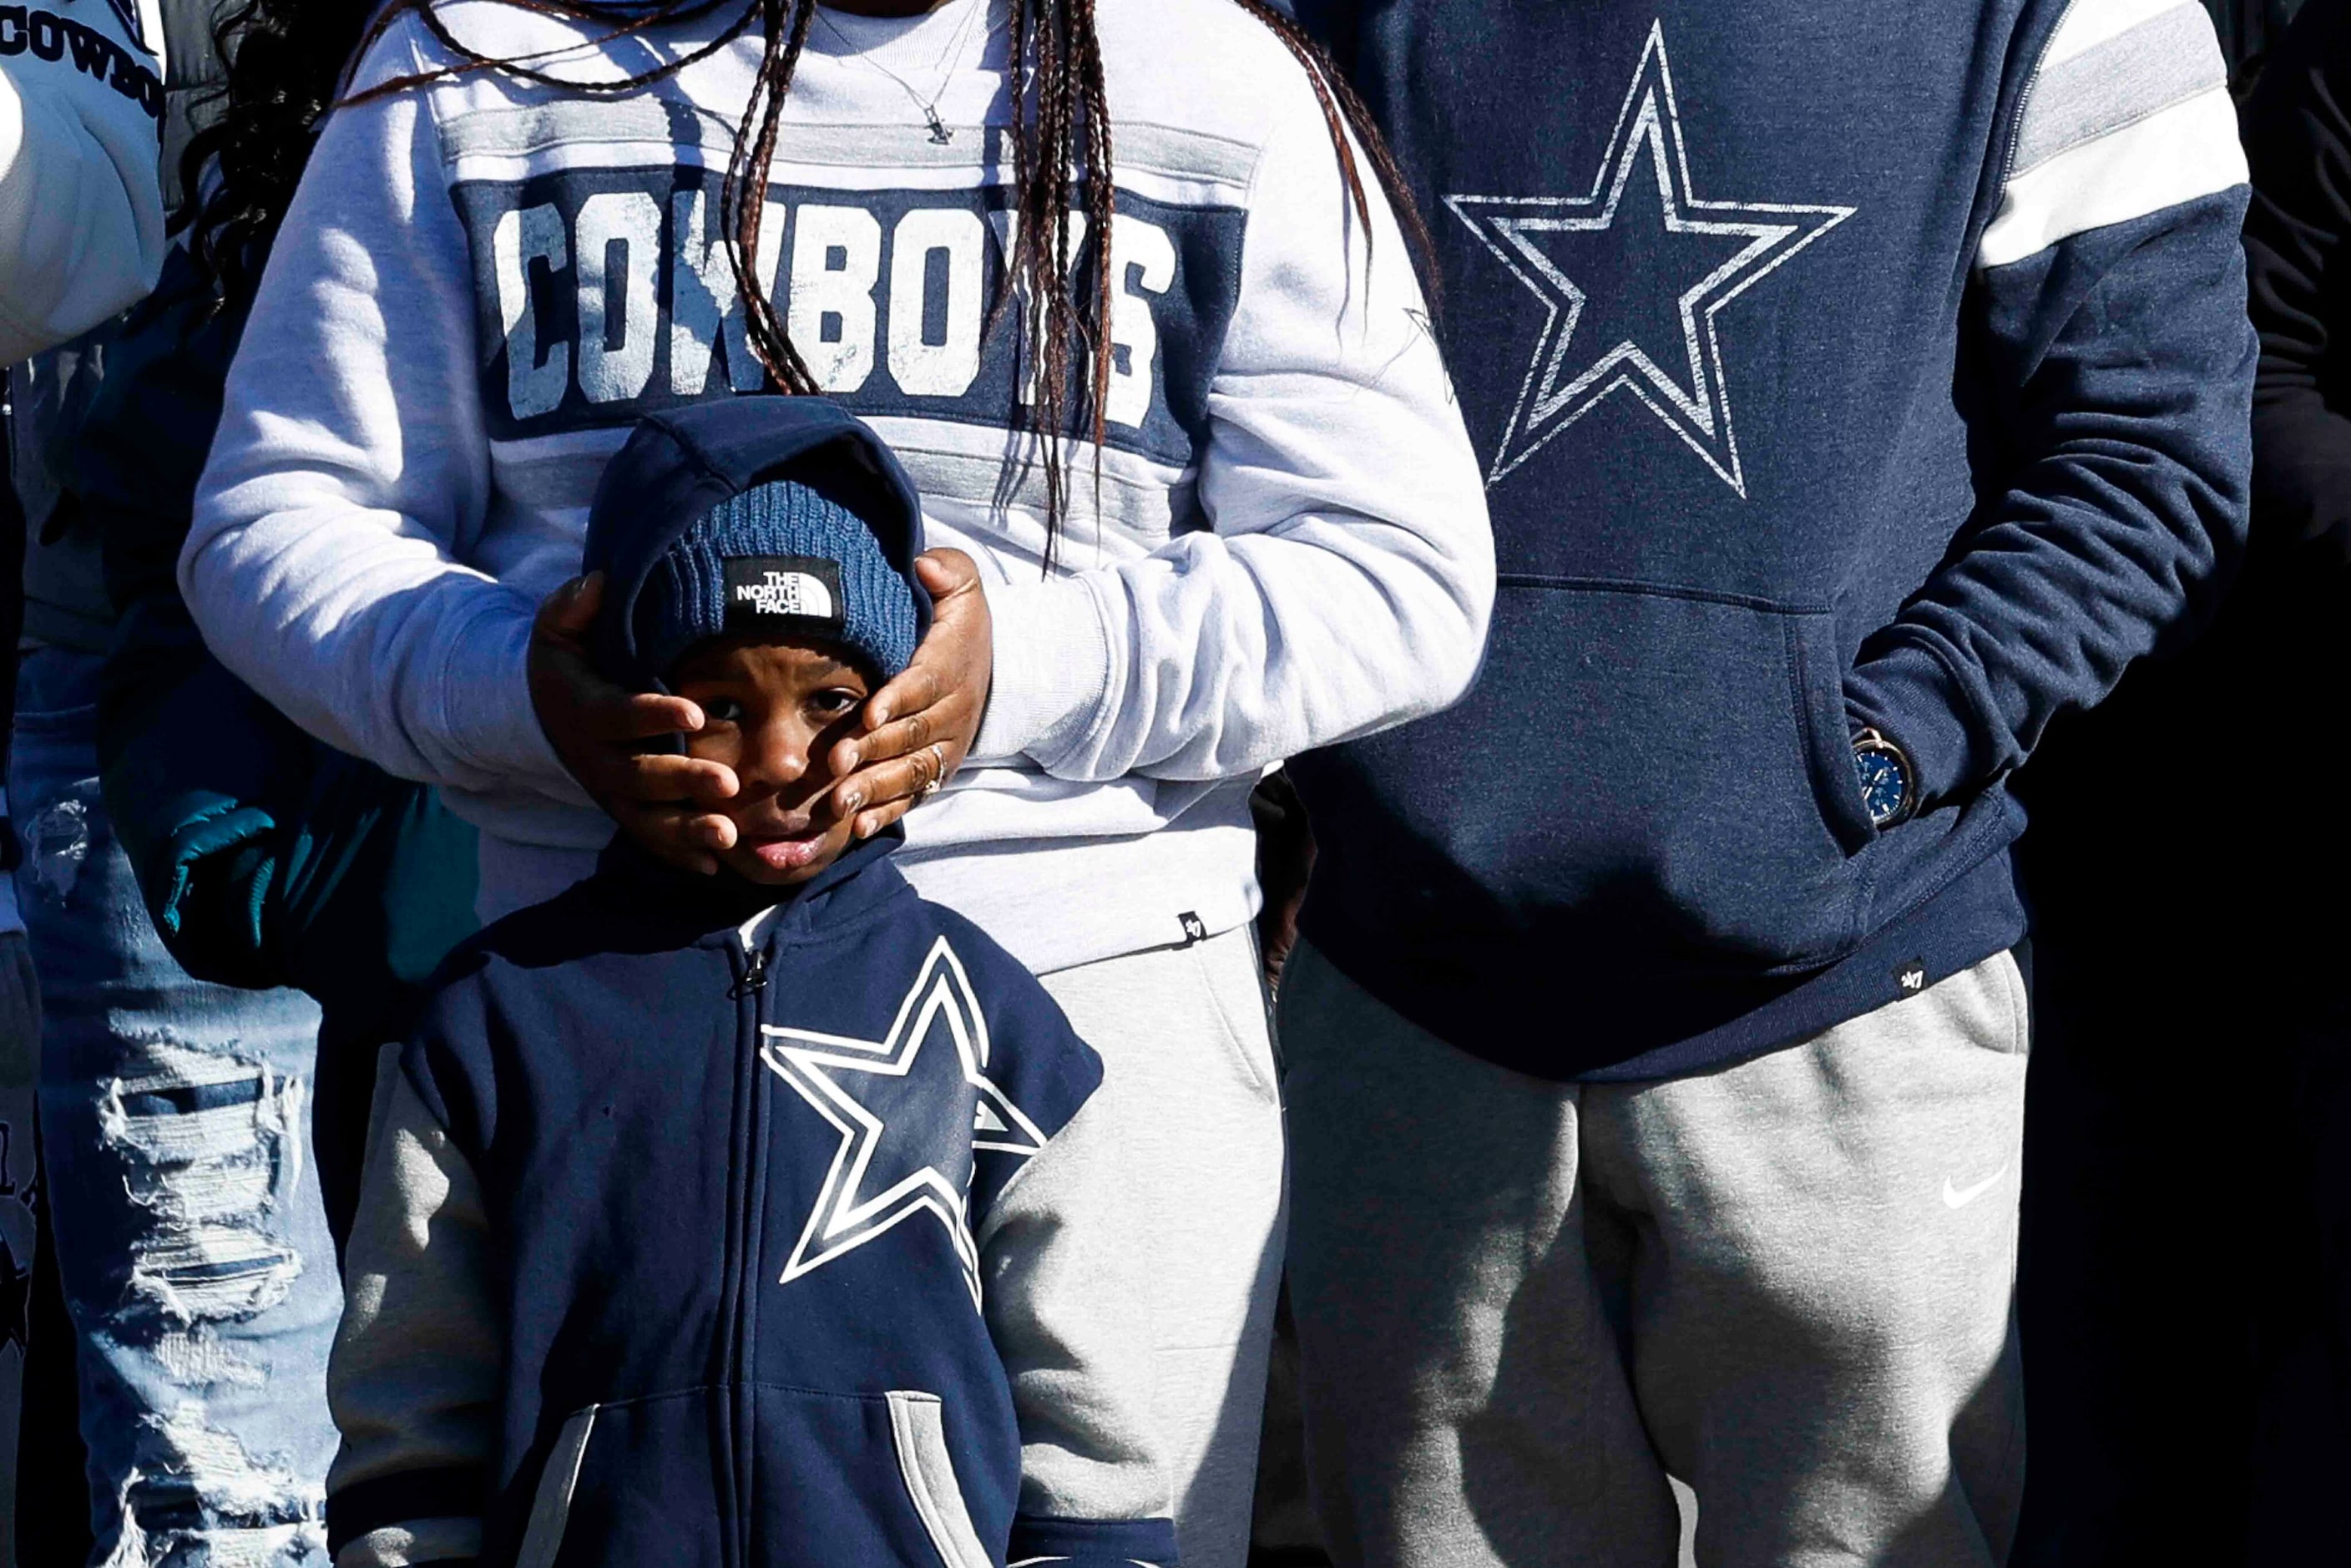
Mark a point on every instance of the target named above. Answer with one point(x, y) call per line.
point(783, 592)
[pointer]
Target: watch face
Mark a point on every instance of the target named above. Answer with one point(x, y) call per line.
point(1884, 785)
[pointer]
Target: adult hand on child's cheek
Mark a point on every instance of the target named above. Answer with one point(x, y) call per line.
point(600, 730)
point(916, 730)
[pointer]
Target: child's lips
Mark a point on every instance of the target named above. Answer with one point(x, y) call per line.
point(789, 852)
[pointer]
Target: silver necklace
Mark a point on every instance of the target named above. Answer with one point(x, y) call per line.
point(952, 58)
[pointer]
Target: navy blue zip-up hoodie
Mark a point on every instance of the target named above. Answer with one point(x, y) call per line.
point(1833, 368)
point(685, 1230)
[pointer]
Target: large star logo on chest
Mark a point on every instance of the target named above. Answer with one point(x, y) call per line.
point(912, 1109)
point(1653, 335)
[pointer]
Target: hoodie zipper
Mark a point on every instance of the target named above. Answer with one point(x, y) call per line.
point(748, 963)
point(753, 979)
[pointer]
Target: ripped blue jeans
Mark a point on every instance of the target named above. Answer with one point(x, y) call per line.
point(176, 1123)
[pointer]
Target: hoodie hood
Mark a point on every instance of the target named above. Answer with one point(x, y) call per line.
point(679, 465)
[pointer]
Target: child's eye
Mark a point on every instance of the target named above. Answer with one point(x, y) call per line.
point(834, 703)
point(722, 710)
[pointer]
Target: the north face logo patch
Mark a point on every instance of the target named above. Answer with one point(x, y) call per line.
point(761, 590)
point(786, 593)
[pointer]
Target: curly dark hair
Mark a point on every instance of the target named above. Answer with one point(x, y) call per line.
point(286, 59)
point(1061, 159)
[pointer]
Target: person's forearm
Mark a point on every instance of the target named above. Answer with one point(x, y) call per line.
point(350, 466)
point(2108, 312)
point(1347, 582)
point(1216, 657)
point(2126, 507)
point(372, 640)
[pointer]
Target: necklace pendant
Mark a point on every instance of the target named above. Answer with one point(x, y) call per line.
point(940, 134)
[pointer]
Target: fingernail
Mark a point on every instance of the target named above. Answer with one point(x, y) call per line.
point(851, 801)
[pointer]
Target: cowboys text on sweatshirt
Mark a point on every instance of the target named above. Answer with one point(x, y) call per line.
point(81, 189)
point(483, 283)
point(1832, 368)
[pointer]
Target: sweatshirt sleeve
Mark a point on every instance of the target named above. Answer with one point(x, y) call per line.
point(82, 196)
point(1094, 1486)
point(1345, 583)
point(326, 560)
point(2108, 312)
point(2298, 139)
point(414, 1379)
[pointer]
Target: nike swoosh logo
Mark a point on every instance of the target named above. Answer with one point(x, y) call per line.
point(1959, 1198)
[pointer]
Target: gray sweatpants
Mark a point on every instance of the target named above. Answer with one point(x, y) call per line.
point(1189, 1179)
point(1523, 1305)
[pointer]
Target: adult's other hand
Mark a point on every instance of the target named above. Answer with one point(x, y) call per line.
point(917, 729)
point(600, 730)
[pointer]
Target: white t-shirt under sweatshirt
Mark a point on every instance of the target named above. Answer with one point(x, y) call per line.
point(482, 282)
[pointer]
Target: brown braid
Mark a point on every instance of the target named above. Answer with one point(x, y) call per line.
point(744, 200)
point(1343, 111)
point(1062, 158)
point(1061, 148)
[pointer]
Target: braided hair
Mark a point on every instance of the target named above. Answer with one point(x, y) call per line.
point(1061, 156)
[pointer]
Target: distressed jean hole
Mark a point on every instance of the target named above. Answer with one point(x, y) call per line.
point(194, 1097)
point(199, 1498)
point(57, 842)
point(209, 1146)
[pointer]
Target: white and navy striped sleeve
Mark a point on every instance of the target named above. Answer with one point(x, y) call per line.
point(2128, 115)
point(2108, 374)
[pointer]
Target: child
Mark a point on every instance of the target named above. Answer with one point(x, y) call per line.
point(680, 1214)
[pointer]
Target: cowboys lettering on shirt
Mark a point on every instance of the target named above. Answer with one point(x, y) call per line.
point(605, 294)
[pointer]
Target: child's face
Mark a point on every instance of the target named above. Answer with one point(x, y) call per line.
point(772, 711)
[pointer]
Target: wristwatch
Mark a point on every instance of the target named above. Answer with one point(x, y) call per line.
point(1887, 791)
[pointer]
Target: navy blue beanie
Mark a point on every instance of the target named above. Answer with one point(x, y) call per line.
point(777, 561)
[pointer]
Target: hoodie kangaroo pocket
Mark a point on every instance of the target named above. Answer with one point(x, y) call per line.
point(789, 1475)
point(1676, 772)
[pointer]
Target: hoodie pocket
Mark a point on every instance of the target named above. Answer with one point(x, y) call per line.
point(1675, 768)
point(918, 1428)
point(791, 1475)
point(630, 1481)
point(550, 1506)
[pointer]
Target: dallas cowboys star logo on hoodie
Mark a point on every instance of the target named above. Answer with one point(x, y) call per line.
point(900, 1157)
point(1688, 257)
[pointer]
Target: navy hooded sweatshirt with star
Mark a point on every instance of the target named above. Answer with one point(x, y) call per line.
point(1832, 368)
point(691, 1229)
